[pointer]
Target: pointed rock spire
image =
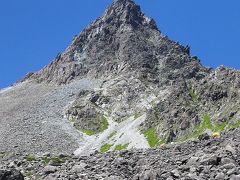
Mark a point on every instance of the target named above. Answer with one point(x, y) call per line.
point(122, 41)
point(127, 12)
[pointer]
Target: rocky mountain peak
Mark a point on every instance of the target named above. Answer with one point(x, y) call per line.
point(127, 12)
point(122, 41)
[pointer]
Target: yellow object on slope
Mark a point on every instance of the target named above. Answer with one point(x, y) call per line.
point(216, 134)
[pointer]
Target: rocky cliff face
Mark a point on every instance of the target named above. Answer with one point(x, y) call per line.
point(146, 90)
point(122, 41)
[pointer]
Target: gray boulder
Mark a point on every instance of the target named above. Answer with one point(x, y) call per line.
point(12, 174)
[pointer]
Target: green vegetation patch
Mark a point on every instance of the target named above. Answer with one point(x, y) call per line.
point(120, 147)
point(152, 138)
point(104, 148)
point(193, 95)
point(54, 160)
point(207, 124)
point(220, 126)
point(27, 174)
point(57, 160)
point(104, 123)
point(234, 125)
point(199, 129)
point(88, 132)
point(112, 134)
point(137, 115)
point(46, 160)
point(30, 157)
point(101, 124)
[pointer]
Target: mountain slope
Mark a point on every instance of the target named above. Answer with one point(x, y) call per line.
point(120, 84)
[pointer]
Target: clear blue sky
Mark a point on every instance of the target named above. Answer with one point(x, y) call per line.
point(32, 32)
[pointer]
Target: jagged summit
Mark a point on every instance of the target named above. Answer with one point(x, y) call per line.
point(122, 41)
point(127, 12)
point(123, 2)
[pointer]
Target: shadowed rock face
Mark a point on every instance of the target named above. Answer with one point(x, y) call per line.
point(11, 175)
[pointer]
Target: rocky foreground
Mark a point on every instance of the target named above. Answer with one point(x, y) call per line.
point(205, 158)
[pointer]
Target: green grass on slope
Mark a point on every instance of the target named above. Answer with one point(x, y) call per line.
point(30, 157)
point(207, 124)
point(87, 131)
point(112, 134)
point(54, 160)
point(27, 174)
point(199, 129)
point(137, 115)
point(193, 95)
point(103, 126)
point(220, 126)
point(104, 148)
point(120, 147)
point(104, 123)
point(234, 125)
point(152, 138)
